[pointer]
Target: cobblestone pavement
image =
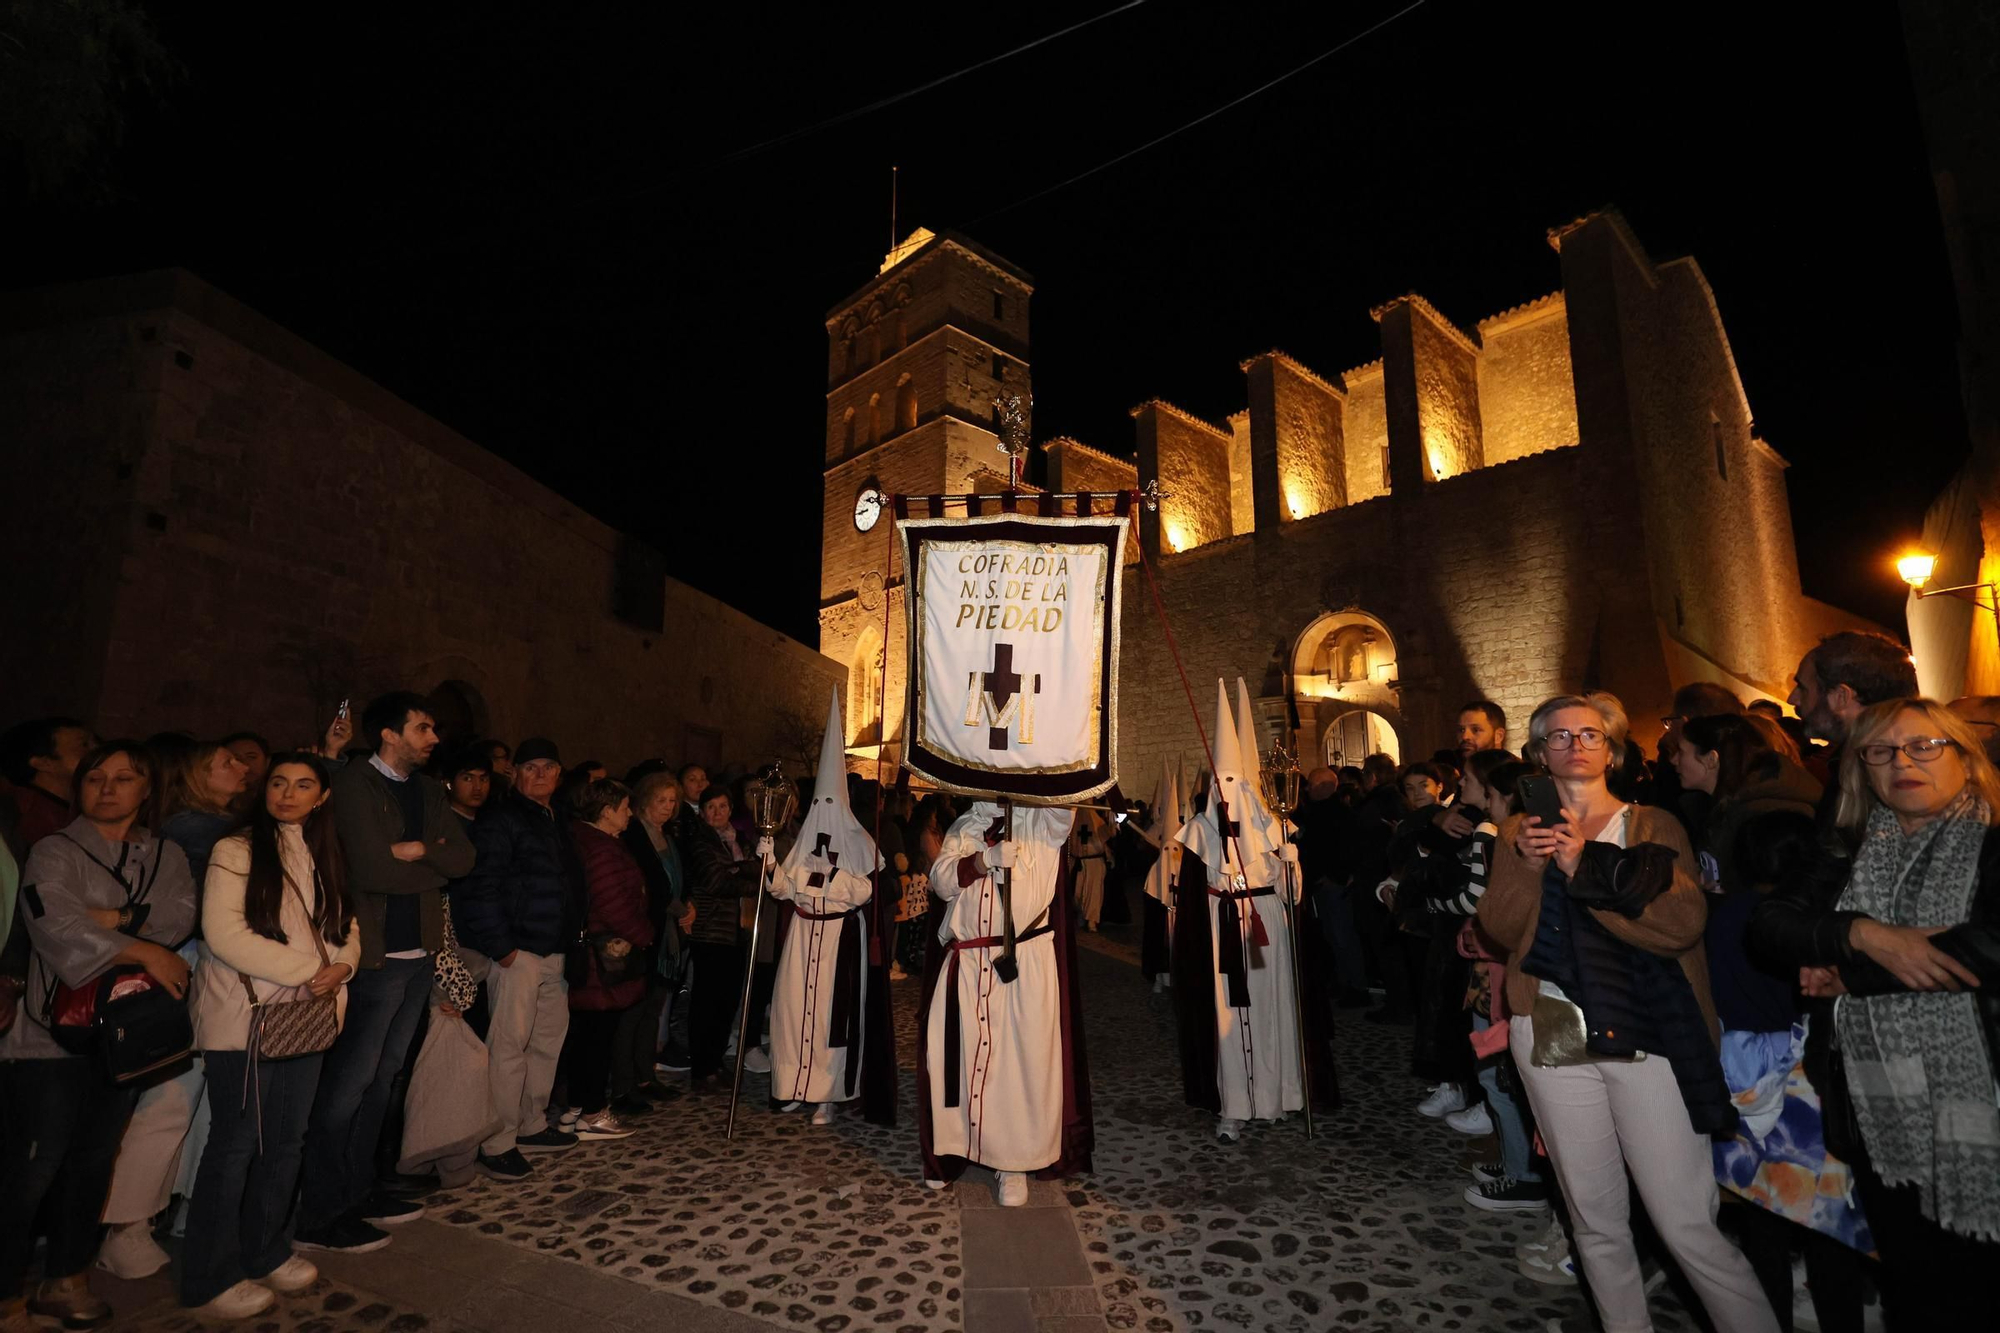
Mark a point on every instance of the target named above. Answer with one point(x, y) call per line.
point(830, 1229)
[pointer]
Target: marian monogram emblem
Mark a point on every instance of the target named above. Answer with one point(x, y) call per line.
point(996, 700)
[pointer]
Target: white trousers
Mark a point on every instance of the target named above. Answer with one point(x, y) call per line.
point(1599, 1120)
point(529, 1006)
point(156, 1140)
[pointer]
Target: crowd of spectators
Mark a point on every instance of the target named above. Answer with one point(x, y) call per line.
point(398, 959)
point(1757, 966)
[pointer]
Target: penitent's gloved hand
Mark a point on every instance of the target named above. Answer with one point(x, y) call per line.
point(1000, 856)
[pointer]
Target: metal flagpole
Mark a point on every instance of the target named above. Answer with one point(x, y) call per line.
point(749, 978)
point(770, 798)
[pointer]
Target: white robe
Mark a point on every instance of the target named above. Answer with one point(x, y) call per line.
point(804, 1066)
point(1010, 1103)
point(1090, 847)
point(1256, 1048)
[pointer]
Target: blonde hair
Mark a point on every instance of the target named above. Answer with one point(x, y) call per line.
point(1605, 705)
point(185, 786)
point(1857, 794)
point(646, 788)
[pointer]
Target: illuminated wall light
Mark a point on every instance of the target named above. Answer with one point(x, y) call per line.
point(1177, 538)
point(1294, 506)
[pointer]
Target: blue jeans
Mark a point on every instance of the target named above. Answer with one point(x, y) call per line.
point(383, 1009)
point(1516, 1159)
point(240, 1218)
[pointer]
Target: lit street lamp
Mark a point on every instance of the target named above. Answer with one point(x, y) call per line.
point(1916, 569)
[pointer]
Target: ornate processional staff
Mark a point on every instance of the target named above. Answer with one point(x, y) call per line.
point(771, 798)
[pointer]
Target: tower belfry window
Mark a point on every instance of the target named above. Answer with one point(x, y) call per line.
point(999, 307)
point(1721, 453)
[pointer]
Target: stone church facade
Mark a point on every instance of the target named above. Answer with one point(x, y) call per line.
point(1570, 494)
point(215, 525)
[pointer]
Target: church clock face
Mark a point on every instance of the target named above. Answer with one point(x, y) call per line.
point(868, 506)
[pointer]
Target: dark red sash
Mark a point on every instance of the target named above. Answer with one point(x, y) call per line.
point(1229, 959)
point(951, 1009)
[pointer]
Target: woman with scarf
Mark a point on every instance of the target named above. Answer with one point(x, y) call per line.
point(1911, 948)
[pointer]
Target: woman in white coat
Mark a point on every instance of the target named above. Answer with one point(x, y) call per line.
point(276, 924)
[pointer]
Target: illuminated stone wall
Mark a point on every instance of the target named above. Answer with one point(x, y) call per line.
point(1526, 400)
point(1431, 376)
point(1296, 423)
point(1193, 458)
point(1367, 433)
point(1075, 466)
point(270, 532)
point(1242, 501)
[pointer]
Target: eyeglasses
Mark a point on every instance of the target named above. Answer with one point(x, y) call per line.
point(1922, 750)
point(1590, 738)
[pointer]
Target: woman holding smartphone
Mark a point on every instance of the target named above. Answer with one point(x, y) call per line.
point(1613, 1029)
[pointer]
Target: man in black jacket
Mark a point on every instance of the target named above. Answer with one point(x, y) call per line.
point(520, 907)
point(402, 844)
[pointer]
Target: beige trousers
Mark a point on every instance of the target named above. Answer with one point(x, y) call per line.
point(1599, 1120)
point(529, 1004)
point(156, 1138)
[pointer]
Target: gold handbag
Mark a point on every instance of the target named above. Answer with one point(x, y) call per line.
point(1562, 1038)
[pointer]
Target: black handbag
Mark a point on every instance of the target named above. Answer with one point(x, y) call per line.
point(126, 1022)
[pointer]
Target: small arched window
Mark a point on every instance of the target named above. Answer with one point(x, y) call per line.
point(847, 431)
point(1721, 449)
point(874, 417)
point(906, 404)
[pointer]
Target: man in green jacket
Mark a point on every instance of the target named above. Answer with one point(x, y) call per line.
point(402, 844)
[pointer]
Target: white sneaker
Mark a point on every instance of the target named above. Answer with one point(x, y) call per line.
point(758, 1061)
point(603, 1125)
point(129, 1251)
point(1473, 1120)
point(1013, 1188)
point(1444, 1099)
point(566, 1122)
point(241, 1301)
point(823, 1113)
point(1159, 982)
point(930, 1184)
point(790, 1107)
point(295, 1274)
point(1227, 1130)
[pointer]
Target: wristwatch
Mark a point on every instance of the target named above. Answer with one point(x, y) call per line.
point(124, 918)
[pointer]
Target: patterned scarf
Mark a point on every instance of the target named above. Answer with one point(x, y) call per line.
point(1918, 1071)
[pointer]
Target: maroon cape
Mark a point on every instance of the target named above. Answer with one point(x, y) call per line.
point(1194, 996)
point(1079, 1137)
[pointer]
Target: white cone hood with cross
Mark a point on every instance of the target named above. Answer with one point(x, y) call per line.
point(830, 837)
point(1250, 833)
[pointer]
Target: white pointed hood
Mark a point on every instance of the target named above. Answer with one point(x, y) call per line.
point(847, 846)
point(1165, 829)
point(1255, 834)
point(1247, 749)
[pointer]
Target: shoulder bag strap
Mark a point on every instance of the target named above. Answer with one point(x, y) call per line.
point(313, 926)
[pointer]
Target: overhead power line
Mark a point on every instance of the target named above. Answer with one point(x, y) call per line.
point(1198, 120)
point(922, 88)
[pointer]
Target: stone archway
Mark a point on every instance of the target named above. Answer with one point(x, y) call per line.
point(461, 712)
point(1345, 685)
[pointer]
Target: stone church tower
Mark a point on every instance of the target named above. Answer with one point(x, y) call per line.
point(915, 360)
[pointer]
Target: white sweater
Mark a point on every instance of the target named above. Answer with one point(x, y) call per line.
point(229, 946)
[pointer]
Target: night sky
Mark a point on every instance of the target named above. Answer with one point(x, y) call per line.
point(542, 228)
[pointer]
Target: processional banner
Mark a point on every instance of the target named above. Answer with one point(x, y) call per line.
point(1013, 633)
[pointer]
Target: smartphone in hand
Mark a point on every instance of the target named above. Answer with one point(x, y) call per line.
point(1540, 799)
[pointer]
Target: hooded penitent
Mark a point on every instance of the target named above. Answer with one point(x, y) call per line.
point(818, 1002)
point(1235, 834)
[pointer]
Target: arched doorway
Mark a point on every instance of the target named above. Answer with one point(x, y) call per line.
point(1356, 734)
point(1346, 688)
point(460, 710)
point(864, 689)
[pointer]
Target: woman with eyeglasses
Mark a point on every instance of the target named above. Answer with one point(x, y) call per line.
point(1601, 917)
point(1910, 949)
